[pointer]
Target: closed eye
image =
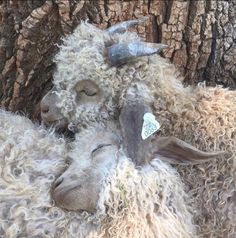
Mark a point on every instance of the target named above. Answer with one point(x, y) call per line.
point(100, 146)
point(89, 93)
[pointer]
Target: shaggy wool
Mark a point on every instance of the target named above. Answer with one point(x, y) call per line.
point(144, 202)
point(202, 116)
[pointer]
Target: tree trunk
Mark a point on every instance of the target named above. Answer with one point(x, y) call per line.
point(201, 36)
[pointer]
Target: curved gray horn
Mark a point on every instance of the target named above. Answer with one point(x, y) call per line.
point(123, 26)
point(119, 54)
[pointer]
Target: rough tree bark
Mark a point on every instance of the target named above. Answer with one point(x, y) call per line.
point(201, 36)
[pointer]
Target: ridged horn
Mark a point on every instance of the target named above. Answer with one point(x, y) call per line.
point(123, 26)
point(119, 54)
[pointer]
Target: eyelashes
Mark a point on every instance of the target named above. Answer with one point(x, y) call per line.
point(89, 93)
point(100, 146)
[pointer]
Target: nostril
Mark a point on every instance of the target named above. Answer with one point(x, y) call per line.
point(45, 109)
point(58, 182)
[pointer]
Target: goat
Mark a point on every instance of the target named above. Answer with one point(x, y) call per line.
point(97, 80)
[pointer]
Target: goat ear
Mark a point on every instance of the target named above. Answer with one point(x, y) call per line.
point(131, 121)
point(176, 151)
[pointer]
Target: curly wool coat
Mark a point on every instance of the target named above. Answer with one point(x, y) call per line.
point(204, 117)
point(150, 202)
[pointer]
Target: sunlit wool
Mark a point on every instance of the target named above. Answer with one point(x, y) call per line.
point(147, 202)
point(202, 116)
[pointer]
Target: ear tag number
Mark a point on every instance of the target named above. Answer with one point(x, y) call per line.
point(150, 125)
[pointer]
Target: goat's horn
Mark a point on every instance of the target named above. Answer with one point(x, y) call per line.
point(119, 54)
point(123, 26)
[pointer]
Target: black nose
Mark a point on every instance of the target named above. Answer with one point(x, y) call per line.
point(58, 182)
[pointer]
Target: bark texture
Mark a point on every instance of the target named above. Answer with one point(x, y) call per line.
point(201, 36)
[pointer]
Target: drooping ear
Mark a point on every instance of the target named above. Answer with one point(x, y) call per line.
point(136, 103)
point(131, 121)
point(176, 151)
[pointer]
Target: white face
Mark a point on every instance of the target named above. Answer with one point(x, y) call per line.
point(88, 100)
point(79, 186)
point(50, 113)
